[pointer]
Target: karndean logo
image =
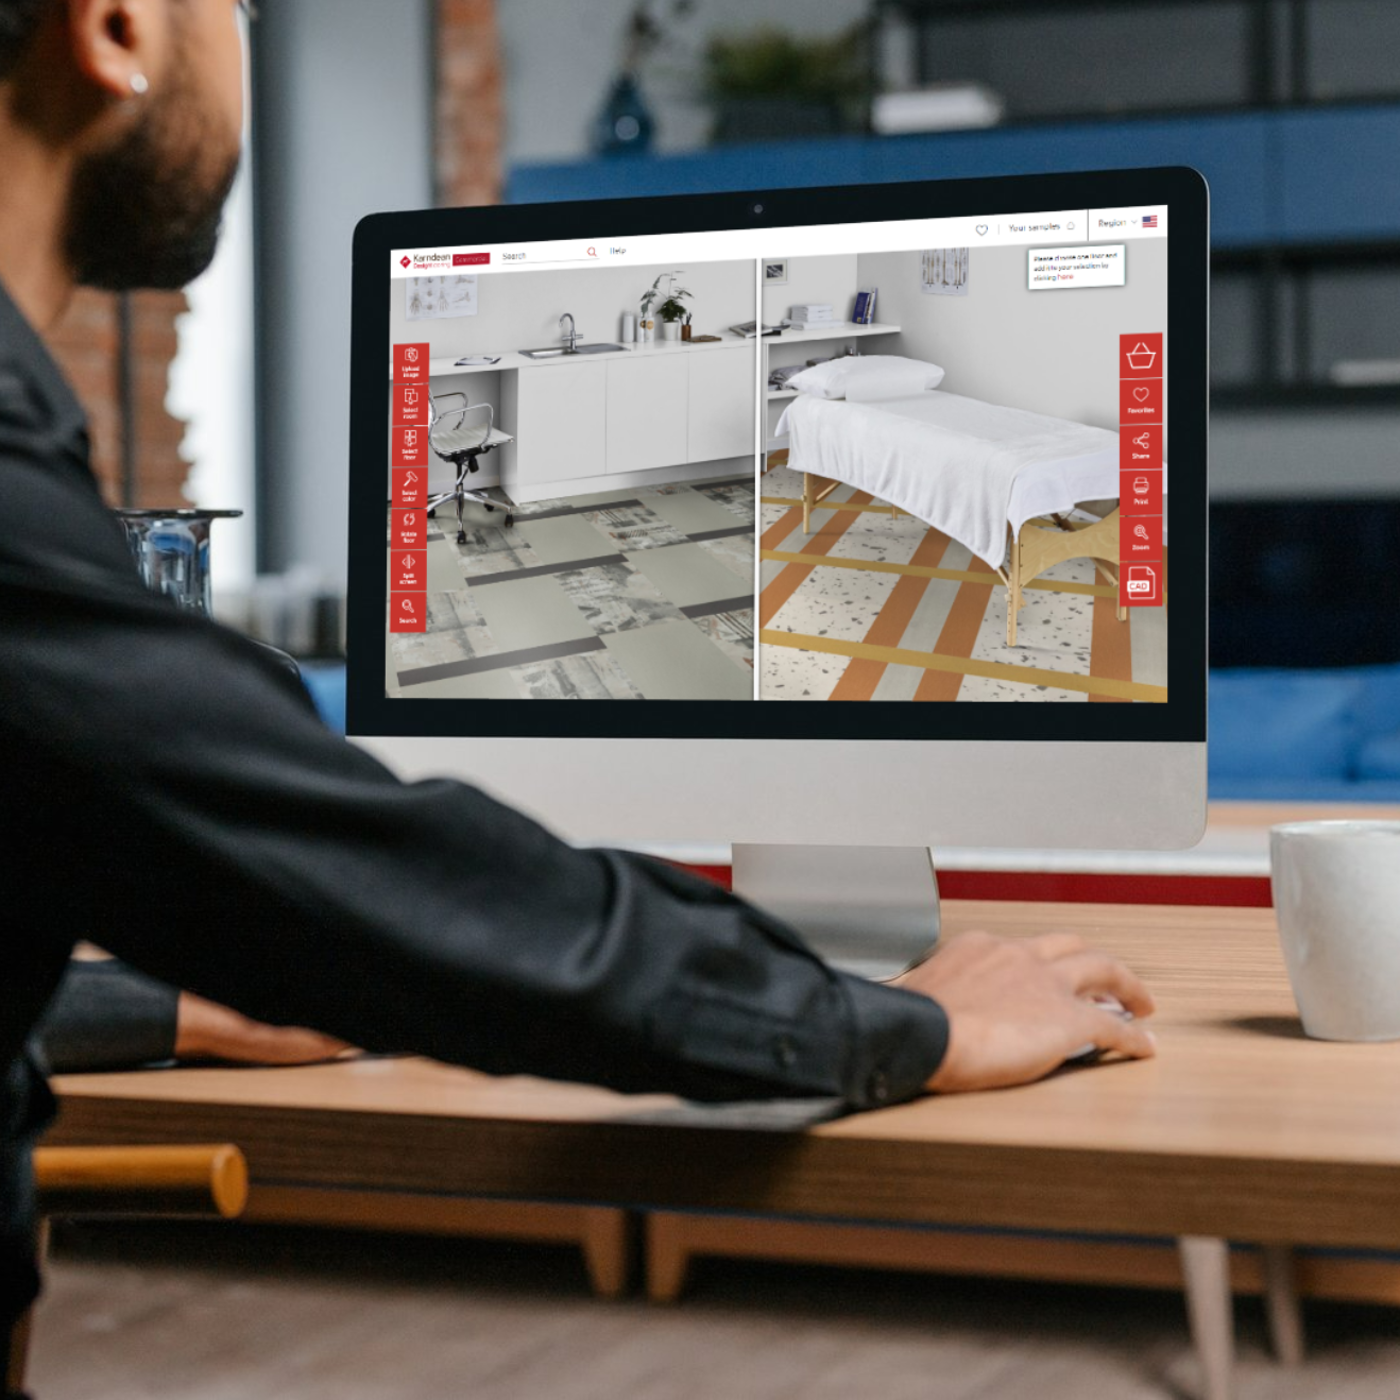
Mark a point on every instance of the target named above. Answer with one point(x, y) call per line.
point(436, 262)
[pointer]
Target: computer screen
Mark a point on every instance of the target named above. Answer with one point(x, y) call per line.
point(887, 463)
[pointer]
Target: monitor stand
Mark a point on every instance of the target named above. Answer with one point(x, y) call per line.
point(872, 910)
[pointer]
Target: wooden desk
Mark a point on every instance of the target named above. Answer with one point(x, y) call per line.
point(1240, 1129)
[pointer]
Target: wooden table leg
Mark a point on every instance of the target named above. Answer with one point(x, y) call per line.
point(668, 1257)
point(607, 1250)
point(1281, 1297)
point(1205, 1265)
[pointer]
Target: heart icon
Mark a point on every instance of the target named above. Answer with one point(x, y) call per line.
point(981, 229)
point(1141, 394)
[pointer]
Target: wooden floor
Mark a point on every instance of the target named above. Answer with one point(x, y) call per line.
point(202, 1313)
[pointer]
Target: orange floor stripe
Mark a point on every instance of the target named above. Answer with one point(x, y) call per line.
point(794, 576)
point(775, 534)
point(859, 679)
point(1110, 648)
point(958, 637)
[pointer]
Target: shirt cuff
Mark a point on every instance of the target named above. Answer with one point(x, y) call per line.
point(899, 1041)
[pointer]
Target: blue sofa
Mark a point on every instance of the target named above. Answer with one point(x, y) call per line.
point(1323, 735)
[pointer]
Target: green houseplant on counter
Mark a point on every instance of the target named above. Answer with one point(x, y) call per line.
point(670, 304)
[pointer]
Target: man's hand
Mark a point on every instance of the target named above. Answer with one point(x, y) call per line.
point(1018, 1008)
point(204, 1030)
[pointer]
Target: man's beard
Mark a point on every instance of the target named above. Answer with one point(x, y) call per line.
point(145, 212)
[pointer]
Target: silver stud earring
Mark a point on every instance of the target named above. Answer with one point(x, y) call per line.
point(139, 85)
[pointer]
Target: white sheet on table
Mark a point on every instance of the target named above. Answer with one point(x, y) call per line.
point(959, 464)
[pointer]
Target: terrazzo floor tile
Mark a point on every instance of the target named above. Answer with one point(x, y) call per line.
point(789, 674)
point(675, 661)
point(616, 598)
point(688, 574)
point(1054, 630)
point(837, 603)
point(881, 539)
point(985, 689)
point(531, 612)
point(596, 676)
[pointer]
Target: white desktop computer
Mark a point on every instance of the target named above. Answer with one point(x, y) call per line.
point(827, 523)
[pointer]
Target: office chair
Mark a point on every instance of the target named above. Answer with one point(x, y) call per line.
point(459, 436)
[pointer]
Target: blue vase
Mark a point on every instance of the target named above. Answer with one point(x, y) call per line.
point(625, 123)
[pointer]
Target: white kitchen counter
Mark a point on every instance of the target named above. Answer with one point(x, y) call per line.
point(513, 359)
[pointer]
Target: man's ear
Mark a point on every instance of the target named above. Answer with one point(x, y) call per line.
point(120, 46)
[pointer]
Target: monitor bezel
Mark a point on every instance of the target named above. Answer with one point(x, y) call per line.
point(370, 711)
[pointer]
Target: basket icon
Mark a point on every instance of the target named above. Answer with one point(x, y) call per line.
point(1140, 357)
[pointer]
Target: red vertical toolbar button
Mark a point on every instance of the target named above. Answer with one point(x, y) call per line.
point(408, 612)
point(410, 447)
point(411, 363)
point(1140, 492)
point(1139, 539)
point(407, 529)
point(1140, 448)
point(411, 404)
point(410, 486)
point(408, 570)
point(1139, 402)
point(1140, 586)
point(1140, 356)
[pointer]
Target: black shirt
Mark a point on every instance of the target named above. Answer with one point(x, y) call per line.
point(174, 799)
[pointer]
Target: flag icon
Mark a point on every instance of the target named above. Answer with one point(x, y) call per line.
point(1149, 221)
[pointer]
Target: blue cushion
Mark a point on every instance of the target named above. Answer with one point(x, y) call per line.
point(326, 682)
point(1379, 758)
point(1284, 724)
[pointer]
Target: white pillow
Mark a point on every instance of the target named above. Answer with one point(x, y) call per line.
point(862, 378)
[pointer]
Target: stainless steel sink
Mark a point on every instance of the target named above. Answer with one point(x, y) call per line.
point(554, 352)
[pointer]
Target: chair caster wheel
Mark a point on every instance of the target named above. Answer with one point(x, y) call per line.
point(432, 514)
point(510, 519)
point(461, 537)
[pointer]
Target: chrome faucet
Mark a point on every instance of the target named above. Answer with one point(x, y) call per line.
point(571, 337)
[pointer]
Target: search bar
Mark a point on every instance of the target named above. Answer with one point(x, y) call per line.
point(554, 254)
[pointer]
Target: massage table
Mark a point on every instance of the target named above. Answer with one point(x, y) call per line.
point(1001, 481)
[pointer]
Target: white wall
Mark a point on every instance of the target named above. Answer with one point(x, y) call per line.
point(521, 310)
point(1052, 352)
point(832, 278)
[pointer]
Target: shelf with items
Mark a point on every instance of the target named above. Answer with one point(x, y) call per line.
point(837, 330)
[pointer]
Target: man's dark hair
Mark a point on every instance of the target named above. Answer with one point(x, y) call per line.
point(18, 21)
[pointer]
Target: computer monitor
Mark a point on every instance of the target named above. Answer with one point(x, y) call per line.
point(818, 519)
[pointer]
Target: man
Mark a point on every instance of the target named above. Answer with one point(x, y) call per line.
point(147, 751)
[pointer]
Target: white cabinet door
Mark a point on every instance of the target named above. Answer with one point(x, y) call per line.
point(721, 403)
point(561, 424)
point(647, 411)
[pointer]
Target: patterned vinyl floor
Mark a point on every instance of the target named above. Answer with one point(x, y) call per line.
point(625, 595)
point(868, 607)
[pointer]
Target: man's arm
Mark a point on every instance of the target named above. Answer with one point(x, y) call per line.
point(232, 845)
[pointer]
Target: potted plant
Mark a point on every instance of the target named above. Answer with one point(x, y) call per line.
point(670, 307)
point(768, 84)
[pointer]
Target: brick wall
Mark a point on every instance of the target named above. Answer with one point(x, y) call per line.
point(469, 103)
point(469, 122)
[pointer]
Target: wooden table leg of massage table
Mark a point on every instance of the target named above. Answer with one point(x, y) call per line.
point(1278, 1266)
point(1205, 1265)
point(667, 1256)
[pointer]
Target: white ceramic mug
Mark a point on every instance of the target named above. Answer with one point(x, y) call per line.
point(1337, 897)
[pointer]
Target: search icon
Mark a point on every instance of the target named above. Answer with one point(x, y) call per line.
point(592, 252)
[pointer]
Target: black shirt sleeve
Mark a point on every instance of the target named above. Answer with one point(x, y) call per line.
point(106, 1015)
point(185, 808)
